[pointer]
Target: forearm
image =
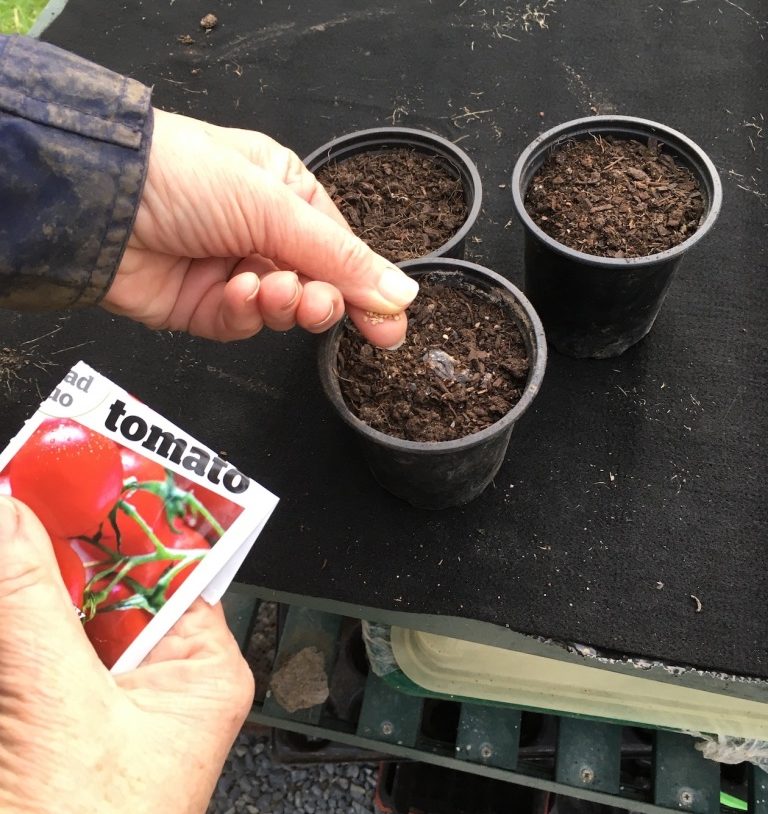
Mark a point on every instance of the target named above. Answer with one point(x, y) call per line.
point(75, 141)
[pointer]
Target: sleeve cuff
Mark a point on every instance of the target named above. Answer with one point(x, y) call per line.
point(77, 140)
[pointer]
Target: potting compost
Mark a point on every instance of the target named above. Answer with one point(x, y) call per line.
point(630, 513)
point(463, 367)
point(404, 204)
point(615, 198)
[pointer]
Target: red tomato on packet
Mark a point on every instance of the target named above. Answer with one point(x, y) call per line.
point(150, 506)
point(68, 475)
point(185, 539)
point(110, 632)
point(222, 509)
point(74, 478)
point(148, 574)
point(139, 467)
point(134, 540)
point(90, 556)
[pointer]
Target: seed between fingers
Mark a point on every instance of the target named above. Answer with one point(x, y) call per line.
point(377, 319)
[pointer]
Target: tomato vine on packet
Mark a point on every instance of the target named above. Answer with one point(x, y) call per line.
point(143, 518)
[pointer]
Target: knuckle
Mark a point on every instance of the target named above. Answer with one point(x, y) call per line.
point(234, 325)
point(241, 688)
point(295, 171)
point(17, 578)
point(247, 689)
point(353, 257)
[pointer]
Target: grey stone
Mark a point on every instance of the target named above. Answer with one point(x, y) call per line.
point(224, 786)
point(264, 801)
point(301, 682)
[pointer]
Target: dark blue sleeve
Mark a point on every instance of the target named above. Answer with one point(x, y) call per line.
point(74, 145)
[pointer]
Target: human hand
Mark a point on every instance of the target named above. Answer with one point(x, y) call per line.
point(75, 738)
point(233, 233)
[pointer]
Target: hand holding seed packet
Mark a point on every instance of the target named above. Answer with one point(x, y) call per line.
point(142, 518)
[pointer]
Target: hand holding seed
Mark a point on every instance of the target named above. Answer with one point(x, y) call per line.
point(233, 233)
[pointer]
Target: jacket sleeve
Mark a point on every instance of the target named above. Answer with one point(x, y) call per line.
point(74, 146)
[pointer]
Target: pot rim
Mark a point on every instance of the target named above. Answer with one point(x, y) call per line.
point(330, 341)
point(700, 162)
point(382, 137)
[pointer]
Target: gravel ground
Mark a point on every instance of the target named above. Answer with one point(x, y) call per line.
point(252, 784)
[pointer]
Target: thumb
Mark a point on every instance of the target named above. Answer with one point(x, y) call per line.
point(39, 628)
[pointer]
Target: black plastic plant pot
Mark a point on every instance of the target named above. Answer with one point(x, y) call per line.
point(440, 474)
point(381, 139)
point(599, 306)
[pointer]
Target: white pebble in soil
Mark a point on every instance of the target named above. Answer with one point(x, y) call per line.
point(252, 784)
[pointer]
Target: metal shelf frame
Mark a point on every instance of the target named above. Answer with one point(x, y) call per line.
point(587, 759)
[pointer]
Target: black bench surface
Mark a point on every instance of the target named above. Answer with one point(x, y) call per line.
point(626, 475)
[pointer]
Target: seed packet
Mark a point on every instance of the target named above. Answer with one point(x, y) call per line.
point(143, 518)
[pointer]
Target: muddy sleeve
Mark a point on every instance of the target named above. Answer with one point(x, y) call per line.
point(74, 144)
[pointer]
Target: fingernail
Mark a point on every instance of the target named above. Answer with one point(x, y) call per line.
point(398, 288)
point(9, 518)
point(327, 319)
point(254, 291)
point(293, 299)
point(396, 346)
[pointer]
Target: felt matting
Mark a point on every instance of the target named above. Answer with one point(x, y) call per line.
point(632, 484)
